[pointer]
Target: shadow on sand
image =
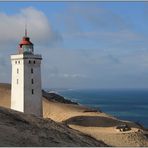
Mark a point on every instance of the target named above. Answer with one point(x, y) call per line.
point(93, 121)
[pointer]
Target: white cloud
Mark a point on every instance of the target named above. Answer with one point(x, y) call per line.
point(66, 75)
point(39, 29)
point(75, 76)
point(111, 36)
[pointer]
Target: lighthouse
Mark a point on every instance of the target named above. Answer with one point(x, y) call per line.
point(26, 92)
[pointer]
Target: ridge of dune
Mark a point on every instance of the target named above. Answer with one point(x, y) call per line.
point(98, 125)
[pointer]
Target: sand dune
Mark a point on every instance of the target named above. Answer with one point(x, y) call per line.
point(99, 125)
point(18, 129)
point(111, 137)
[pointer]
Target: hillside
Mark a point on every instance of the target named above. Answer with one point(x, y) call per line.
point(18, 129)
point(55, 97)
point(98, 125)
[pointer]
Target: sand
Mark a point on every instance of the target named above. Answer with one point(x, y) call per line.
point(19, 129)
point(111, 137)
point(98, 125)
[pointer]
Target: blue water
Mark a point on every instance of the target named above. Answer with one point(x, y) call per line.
point(125, 104)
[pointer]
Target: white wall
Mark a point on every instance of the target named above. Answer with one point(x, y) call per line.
point(17, 93)
point(33, 102)
point(22, 98)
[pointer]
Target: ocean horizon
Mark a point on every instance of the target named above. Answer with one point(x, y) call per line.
point(131, 104)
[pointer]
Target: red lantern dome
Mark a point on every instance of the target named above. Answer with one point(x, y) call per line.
point(25, 46)
point(25, 41)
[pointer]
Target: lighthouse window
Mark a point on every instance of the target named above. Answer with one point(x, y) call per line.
point(17, 81)
point(34, 62)
point(32, 91)
point(15, 62)
point(19, 62)
point(29, 61)
point(31, 70)
point(17, 70)
point(32, 81)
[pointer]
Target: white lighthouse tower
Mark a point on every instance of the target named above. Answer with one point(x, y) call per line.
point(26, 93)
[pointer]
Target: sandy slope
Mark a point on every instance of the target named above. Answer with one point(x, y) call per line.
point(99, 125)
point(19, 129)
point(113, 138)
point(5, 94)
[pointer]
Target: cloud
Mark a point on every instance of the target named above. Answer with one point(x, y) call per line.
point(101, 18)
point(100, 49)
point(75, 75)
point(108, 36)
point(91, 24)
point(68, 76)
point(93, 17)
point(113, 59)
point(5, 69)
point(39, 29)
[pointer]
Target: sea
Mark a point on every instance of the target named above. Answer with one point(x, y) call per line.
point(129, 105)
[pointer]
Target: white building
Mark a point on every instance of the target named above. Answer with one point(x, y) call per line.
point(26, 92)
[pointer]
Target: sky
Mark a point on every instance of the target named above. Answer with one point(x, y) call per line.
point(84, 45)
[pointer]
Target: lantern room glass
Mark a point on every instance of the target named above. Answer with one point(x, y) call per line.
point(27, 49)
